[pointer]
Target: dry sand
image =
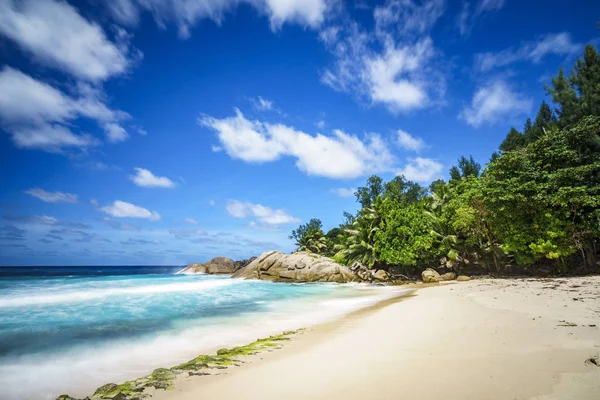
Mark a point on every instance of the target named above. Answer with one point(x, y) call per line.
point(483, 339)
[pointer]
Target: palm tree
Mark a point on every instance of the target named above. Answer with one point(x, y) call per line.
point(314, 242)
point(359, 243)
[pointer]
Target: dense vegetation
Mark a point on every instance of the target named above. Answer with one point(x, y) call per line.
point(536, 204)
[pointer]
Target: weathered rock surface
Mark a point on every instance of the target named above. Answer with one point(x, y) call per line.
point(463, 278)
point(382, 276)
point(430, 275)
point(296, 267)
point(218, 265)
point(448, 276)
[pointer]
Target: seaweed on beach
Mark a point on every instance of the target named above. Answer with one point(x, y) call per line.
point(163, 378)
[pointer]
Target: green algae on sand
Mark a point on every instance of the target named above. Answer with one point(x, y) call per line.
point(163, 378)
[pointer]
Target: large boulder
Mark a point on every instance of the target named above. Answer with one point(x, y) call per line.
point(463, 278)
point(381, 276)
point(296, 267)
point(448, 276)
point(430, 275)
point(218, 265)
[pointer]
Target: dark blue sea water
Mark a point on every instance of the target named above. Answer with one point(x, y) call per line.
point(72, 329)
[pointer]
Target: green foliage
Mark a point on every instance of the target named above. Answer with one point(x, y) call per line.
point(579, 94)
point(514, 140)
point(545, 198)
point(359, 241)
point(366, 195)
point(404, 238)
point(402, 191)
point(466, 167)
point(310, 237)
point(537, 202)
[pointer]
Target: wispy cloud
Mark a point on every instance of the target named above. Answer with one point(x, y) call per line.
point(11, 233)
point(265, 215)
point(118, 224)
point(52, 197)
point(262, 104)
point(493, 102)
point(421, 169)
point(409, 142)
point(533, 51)
point(37, 115)
point(139, 241)
point(186, 14)
point(391, 65)
point(44, 220)
point(146, 178)
point(58, 36)
point(472, 12)
point(78, 235)
point(122, 209)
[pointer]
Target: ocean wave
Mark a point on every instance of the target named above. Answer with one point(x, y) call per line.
point(87, 294)
point(81, 369)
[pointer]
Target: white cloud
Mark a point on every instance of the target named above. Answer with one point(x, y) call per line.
point(321, 124)
point(145, 178)
point(50, 138)
point(52, 197)
point(338, 156)
point(421, 170)
point(344, 192)
point(469, 15)
point(34, 113)
point(55, 34)
point(534, 51)
point(191, 221)
point(262, 104)
point(394, 64)
point(122, 209)
point(211, 202)
point(407, 17)
point(305, 12)
point(409, 142)
point(265, 215)
point(392, 76)
point(187, 13)
point(115, 133)
point(495, 102)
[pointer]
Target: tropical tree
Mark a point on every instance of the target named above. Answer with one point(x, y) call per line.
point(310, 237)
point(404, 238)
point(358, 243)
point(466, 167)
point(366, 195)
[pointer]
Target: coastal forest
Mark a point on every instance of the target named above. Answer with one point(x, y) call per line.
point(534, 207)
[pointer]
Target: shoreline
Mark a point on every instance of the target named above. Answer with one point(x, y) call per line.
point(161, 377)
point(483, 339)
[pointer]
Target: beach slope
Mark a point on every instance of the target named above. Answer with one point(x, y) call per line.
point(484, 339)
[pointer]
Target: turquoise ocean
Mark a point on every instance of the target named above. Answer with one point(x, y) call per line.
point(73, 329)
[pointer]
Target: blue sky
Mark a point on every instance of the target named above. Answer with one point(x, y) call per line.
point(168, 132)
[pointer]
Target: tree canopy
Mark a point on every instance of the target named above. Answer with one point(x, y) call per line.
point(536, 203)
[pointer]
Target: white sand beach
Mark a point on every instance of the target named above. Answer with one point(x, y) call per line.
point(483, 339)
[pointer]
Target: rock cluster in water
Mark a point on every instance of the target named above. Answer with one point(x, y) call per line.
point(218, 265)
point(301, 267)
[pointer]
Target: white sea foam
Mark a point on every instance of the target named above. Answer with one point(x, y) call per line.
point(99, 293)
point(79, 371)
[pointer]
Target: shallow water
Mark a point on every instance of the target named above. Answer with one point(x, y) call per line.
point(70, 330)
